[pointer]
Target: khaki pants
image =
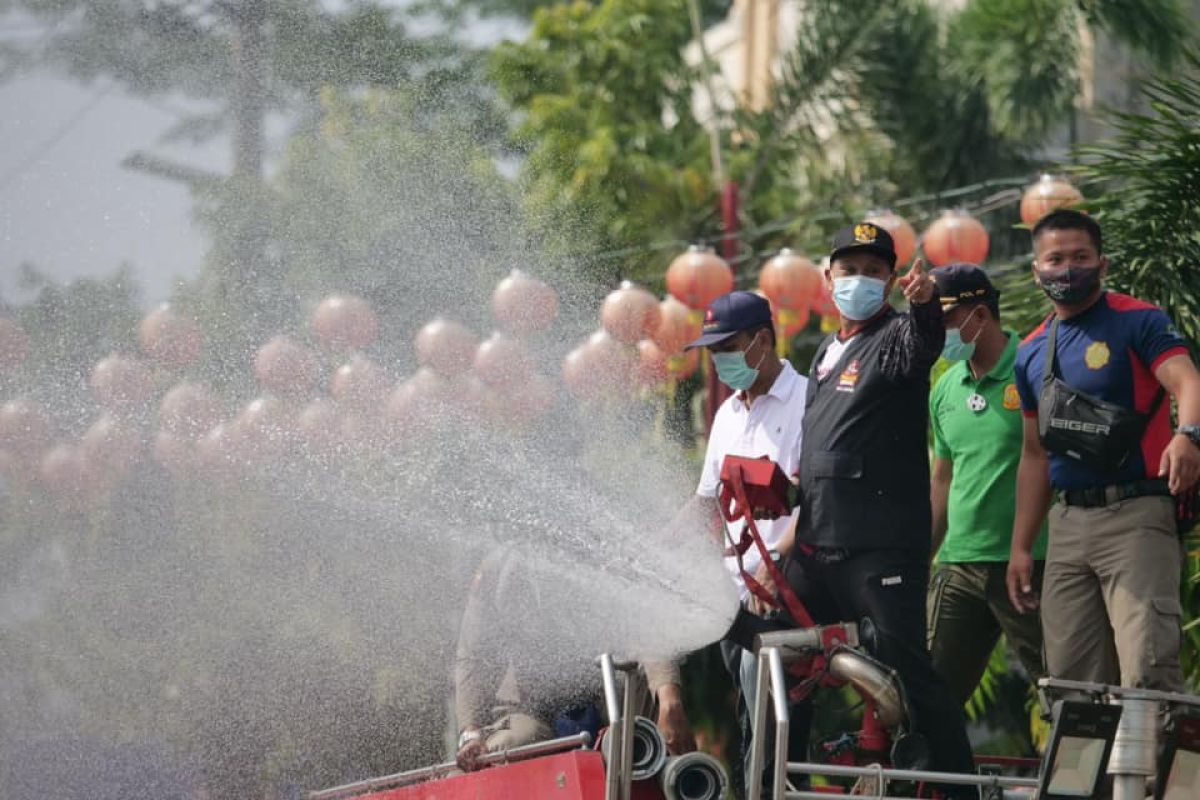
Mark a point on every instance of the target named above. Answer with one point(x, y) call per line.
point(1110, 597)
point(514, 729)
point(968, 609)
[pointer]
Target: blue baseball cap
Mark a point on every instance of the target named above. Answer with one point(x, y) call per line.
point(731, 313)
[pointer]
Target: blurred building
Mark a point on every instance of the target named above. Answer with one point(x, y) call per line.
point(748, 48)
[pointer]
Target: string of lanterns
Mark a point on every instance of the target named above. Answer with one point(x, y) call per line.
point(639, 343)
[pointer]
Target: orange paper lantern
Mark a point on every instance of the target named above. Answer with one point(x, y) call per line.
point(629, 313)
point(344, 322)
point(956, 236)
point(446, 347)
point(903, 235)
point(789, 280)
point(678, 325)
point(698, 277)
point(169, 338)
point(284, 367)
point(1046, 195)
point(188, 411)
point(503, 361)
point(14, 344)
point(120, 383)
point(523, 305)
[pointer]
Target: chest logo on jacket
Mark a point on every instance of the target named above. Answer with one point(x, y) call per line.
point(849, 378)
point(1097, 355)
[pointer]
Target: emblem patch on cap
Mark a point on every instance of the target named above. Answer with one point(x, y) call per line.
point(865, 233)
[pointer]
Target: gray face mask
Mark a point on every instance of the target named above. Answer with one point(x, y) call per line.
point(1069, 285)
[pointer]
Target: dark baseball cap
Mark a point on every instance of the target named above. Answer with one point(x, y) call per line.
point(963, 283)
point(731, 313)
point(865, 236)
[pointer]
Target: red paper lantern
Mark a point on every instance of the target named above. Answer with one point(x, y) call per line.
point(14, 344)
point(63, 471)
point(502, 361)
point(284, 367)
point(120, 383)
point(318, 426)
point(344, 322)
point(265, 427)
point(446, 347)
point(1047, 194)
point(678, 325)
point(823, 305)
point(112, 448)
point(600, 367)
point(224, 451)
point(170, 339)
point(698, 277)
point(177, 454)
point(360, 384)
point(651, 367)
point(789, 280)
point(903, 235)
point(683, 365)
point(189, 410)
point(524, 305)
point(24, 428)
point(790, 322)
point(629, 313)
point(522, 406)
point(956, 236)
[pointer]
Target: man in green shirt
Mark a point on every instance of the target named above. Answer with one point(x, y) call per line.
point(977, 428)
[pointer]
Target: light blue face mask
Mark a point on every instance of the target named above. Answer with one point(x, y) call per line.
point(858, 297)
point(955, 349)
point(733, 371)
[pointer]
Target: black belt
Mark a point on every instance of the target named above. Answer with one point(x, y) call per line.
point(1095, 496)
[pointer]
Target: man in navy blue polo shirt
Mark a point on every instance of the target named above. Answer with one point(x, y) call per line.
point(1110, 595)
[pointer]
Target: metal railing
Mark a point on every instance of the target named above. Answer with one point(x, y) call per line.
point(448, 768)
point(774, 651)
point(622, 717)
point(1133, 759)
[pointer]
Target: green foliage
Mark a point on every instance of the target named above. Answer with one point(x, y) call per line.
point(71, 326)
point(593, 83)
point(1150, 207)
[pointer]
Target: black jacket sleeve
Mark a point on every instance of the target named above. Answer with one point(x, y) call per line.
point(913, 342)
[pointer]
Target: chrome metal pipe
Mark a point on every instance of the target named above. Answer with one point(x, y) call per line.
point(614, 735)
point(758, 729)
point(548, 747)
point(872, 680)
point(779, 694)
point(628, 723)
point(1134, 750)
point(1119, 692)
point(925, 776)
point(1007, 794)
point(608, 676)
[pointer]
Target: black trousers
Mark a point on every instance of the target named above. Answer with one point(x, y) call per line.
point(800, 715)
point(889, 588)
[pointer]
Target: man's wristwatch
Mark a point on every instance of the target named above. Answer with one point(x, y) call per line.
point(1192, 432)
point(468, 736)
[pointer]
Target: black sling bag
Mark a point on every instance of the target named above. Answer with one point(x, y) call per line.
point(1098, 434)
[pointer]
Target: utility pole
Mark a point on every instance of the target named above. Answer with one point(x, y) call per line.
point(249, 86)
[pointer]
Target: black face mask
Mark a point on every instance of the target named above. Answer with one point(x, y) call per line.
point(1070, 285)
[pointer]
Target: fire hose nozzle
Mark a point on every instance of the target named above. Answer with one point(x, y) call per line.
point(693, 776)
point(649, 749)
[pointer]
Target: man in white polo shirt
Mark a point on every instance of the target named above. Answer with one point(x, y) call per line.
point(761, 418)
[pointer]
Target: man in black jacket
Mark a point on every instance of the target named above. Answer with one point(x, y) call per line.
point(862, 537)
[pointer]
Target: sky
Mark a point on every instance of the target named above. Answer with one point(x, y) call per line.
point(69, 207)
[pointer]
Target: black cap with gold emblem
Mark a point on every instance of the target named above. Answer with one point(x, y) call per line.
point(865, 236)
